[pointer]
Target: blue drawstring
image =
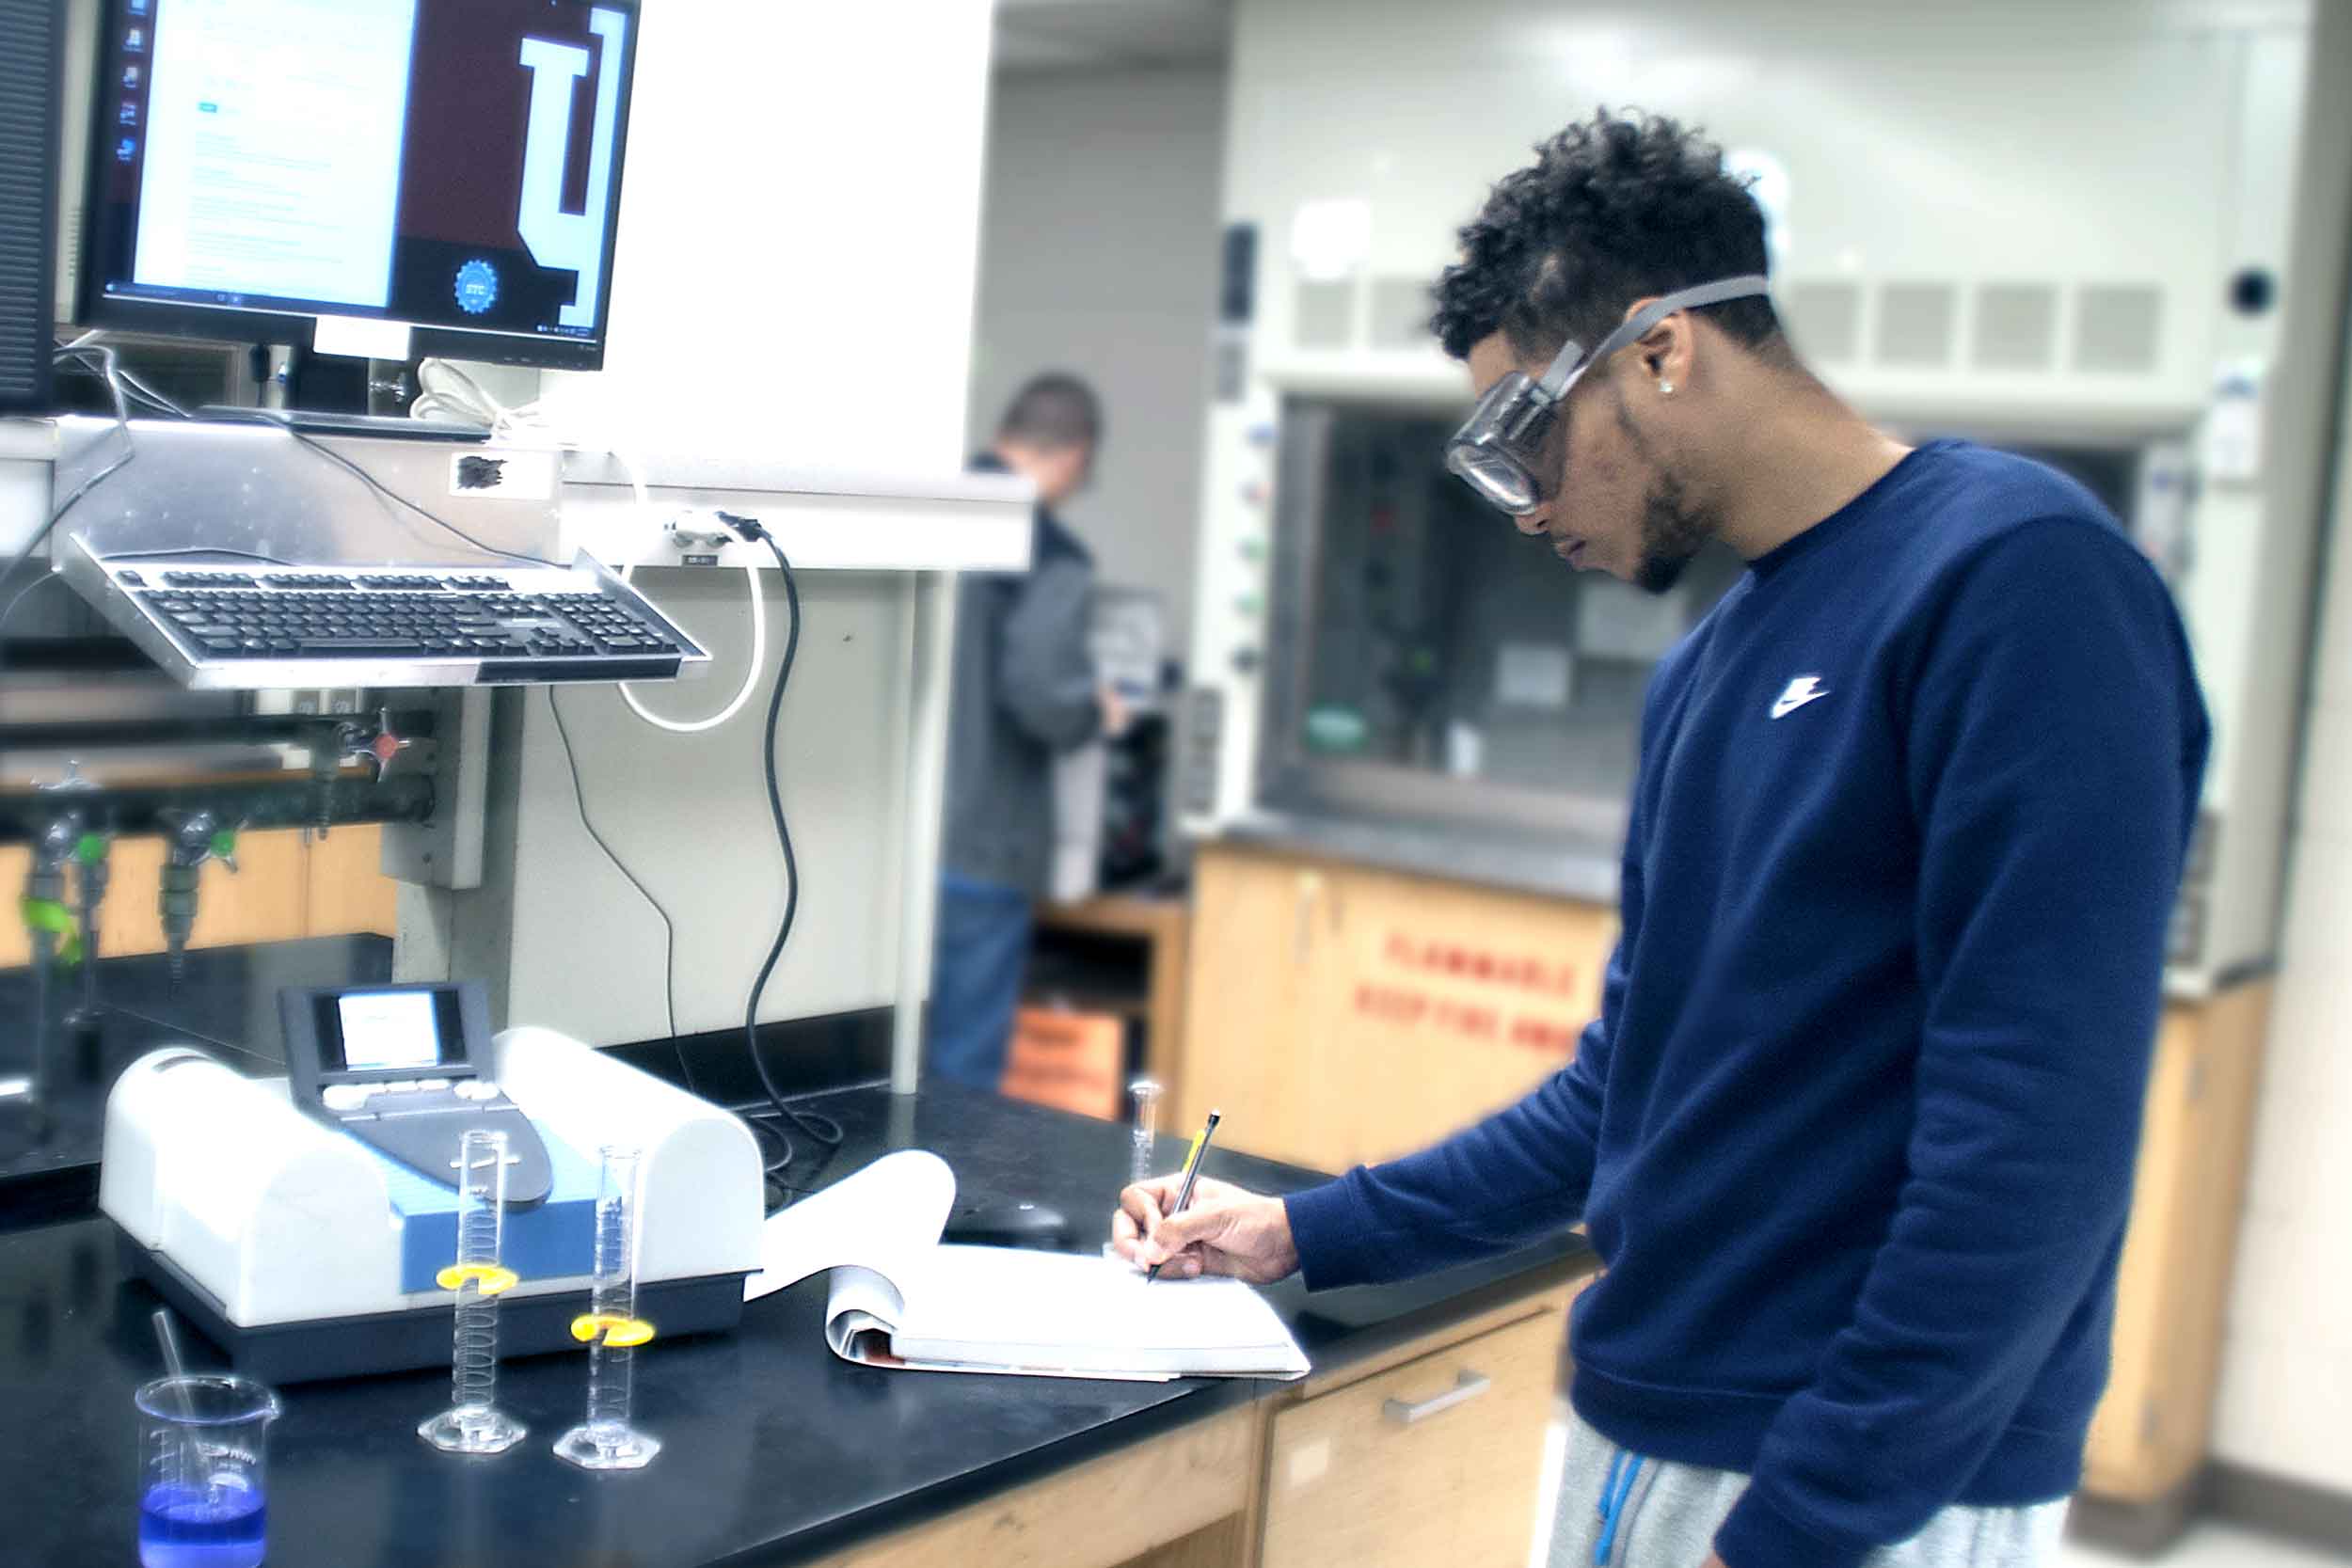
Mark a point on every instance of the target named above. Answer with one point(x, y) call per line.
point(1624, 1472)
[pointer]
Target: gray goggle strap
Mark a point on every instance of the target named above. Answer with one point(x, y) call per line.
point(1573, 362)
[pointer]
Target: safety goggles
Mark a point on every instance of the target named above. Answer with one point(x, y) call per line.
point(1499, 451)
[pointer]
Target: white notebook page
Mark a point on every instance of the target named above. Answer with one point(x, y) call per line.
point(1088, 1310)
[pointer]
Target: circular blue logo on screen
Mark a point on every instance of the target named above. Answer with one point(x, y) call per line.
point(477, 287)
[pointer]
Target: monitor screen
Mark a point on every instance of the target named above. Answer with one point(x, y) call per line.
point(453, 165)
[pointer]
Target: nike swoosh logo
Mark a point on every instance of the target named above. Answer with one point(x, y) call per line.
point(1788, 705)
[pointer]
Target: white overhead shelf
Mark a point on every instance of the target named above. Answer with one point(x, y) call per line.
point(824, 520)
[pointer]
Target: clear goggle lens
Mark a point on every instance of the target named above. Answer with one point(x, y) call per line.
point(1500, 479)
point(1499, 451)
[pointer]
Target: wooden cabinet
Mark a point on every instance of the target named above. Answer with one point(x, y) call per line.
point(282, 889)
point(1395, 1460)
point(1437, 1461)
point(1338, 1014)
point(1112, 1510)
point(2152, 1430)
point(344, 888)
point(1157, 929)
point(1251, 1043)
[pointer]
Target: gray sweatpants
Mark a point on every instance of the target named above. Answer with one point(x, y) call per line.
point(1671, 1513)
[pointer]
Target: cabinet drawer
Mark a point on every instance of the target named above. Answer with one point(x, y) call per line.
point(1173, 1492)
point(1437, 1461)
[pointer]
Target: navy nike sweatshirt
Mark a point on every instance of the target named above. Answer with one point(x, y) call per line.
point(1855, 1130)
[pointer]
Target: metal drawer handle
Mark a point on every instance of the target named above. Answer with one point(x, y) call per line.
point(1466, 1387)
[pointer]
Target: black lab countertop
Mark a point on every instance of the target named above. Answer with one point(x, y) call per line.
point(774, 1450)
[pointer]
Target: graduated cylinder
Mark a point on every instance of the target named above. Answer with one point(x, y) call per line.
point(607, 1440)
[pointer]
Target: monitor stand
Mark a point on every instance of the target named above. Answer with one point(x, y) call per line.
point(328, 394)
point(313, 421)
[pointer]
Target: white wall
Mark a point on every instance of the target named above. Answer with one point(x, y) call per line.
point(799, 216)
point(2286, 1375)
point(2287, 1366)
point(799, 240)
point(1098, 255)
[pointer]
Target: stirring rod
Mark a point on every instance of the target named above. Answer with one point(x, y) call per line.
point(172, 1364)
point(190, 1448)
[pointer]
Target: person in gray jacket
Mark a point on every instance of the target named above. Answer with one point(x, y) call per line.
point(1025, 691)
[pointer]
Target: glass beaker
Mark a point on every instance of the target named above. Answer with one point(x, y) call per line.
point(204, 1455)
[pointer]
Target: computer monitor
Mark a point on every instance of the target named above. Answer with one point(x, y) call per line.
point(324, 172)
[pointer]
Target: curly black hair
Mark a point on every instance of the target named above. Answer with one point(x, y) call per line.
point(1613, 208)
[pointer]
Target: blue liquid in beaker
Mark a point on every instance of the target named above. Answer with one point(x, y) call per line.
point(221, 1525)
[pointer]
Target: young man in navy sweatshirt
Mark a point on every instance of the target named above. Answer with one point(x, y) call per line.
point(1854, 1133)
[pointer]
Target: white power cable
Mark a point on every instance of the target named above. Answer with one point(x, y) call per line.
point(468, 399)
point(88, 348)
point(752, 672)
point(470, 402)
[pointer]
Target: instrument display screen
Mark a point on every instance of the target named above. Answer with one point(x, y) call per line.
point(397, 1029)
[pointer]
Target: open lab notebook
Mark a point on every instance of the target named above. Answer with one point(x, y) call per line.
point(899, 1298)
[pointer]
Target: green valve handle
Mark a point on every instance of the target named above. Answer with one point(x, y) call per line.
point(225, 846)
point(50, 917)
point(90, 848)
